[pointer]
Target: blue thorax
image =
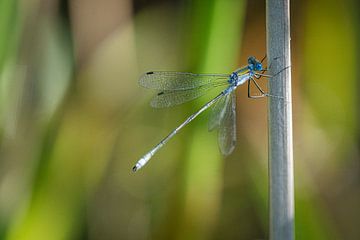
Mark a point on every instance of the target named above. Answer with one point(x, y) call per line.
point(253, 65)
point(233, 78)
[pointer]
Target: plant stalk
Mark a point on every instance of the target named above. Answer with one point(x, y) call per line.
point(281, 167)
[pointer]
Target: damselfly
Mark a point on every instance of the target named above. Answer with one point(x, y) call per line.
point(175, 88)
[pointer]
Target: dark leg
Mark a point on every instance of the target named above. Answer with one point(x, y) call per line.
point(263, 59)
point(263, 94)
point(282, 70)
point(274, 59)
point(258, 75)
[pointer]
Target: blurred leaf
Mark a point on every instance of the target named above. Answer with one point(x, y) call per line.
point(217, 49)
point(9, 30)
point(329, 119)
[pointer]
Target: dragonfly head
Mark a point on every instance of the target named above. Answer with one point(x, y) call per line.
point(254, 64)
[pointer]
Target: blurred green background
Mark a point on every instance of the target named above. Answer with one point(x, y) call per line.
point(73, 121)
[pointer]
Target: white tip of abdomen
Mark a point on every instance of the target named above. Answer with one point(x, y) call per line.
point(142, 161)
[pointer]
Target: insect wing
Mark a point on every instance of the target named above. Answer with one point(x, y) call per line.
point(227, 127)
point(180, 80)
point(169, 98)
point(217, 113)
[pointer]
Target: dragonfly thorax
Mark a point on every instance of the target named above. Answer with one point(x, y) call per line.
point(233, 78)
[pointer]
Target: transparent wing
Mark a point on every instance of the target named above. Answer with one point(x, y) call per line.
point(227, 128)
point(169, 98)
point(179, 80)
point(217, 113)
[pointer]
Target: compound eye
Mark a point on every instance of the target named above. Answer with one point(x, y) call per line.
point(258, 66)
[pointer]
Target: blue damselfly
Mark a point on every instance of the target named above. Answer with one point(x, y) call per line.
point(175, 88)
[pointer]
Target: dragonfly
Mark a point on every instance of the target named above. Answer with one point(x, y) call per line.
point(175, 88)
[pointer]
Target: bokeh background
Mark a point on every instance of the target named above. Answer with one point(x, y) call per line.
point(73, 121)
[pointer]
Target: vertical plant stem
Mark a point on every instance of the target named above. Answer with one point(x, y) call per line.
point(281, 172)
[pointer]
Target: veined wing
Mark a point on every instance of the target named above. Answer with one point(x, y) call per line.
point(179, 80)
point(169, 98)
point(217, 113)
point(227, 127)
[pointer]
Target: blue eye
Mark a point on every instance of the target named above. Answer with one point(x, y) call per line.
point(258, 66)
